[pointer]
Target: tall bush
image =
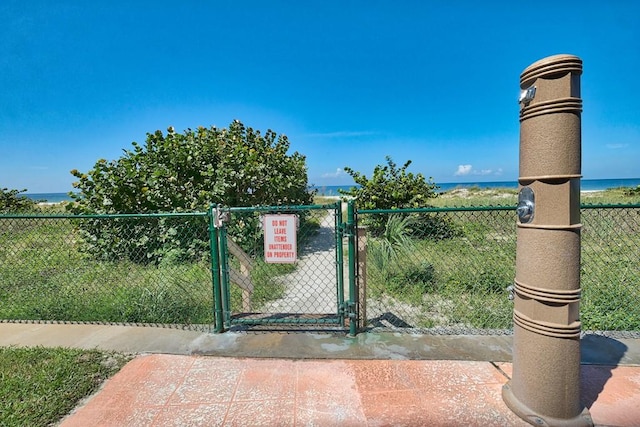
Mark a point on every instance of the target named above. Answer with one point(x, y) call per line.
point(392, 187)
point(174, 172)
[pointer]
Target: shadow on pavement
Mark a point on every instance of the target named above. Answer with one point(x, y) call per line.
point(600, 356)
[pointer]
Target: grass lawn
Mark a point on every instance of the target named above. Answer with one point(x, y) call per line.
point(39, 386)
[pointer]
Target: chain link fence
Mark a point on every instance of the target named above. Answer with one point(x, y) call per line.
point(442, 270)
point(140, 269)
point(610, 268)
point(447, 270)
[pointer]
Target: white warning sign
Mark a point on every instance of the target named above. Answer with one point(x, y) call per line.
point(280, 244)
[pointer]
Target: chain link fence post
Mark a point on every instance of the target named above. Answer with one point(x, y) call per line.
point(353, 292)
point(339, 227)
point(214, 224)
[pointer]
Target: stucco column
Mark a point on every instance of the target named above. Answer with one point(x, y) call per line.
point(545, 387)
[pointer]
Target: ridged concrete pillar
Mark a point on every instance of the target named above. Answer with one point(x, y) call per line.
point(545, 387)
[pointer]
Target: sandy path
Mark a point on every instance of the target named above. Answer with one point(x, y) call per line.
point(311, 288)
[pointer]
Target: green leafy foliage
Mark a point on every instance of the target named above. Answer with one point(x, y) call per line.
point(632, 191)
point(391, 187)
point(12, 202)
point(176, 172)
point(456, 282)
point(44, 277)
point(173, 172)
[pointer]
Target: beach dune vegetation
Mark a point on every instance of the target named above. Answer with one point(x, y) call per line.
point(11, 201)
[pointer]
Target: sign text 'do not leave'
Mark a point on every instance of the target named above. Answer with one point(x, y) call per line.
point(280, 243)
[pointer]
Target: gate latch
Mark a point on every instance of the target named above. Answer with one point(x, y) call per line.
point(346, 229)
point(220, 217)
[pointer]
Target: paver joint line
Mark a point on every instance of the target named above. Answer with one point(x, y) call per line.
point(500, 370)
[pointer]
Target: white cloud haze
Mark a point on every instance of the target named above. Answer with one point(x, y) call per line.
point(616, 146)
point(465, 170)
point(339, 172)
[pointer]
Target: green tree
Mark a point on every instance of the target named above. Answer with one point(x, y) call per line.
point(12, 202)
point(391, 187)
point(187, 172)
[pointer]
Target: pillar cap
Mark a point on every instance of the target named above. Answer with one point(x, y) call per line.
point(556, 65)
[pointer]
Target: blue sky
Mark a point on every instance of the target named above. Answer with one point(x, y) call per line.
point(348, 82)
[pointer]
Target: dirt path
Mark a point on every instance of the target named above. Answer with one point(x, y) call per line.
point(311, 288)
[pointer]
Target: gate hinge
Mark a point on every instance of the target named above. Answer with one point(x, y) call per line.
point(342, 309)
point(352, 310)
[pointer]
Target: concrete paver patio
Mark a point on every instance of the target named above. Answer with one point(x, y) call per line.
point(304, 379)
point(174, 390)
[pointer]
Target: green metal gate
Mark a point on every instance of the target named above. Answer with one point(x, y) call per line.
point(281, 267)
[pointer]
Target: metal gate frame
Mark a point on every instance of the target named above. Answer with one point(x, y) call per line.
point(223, 316)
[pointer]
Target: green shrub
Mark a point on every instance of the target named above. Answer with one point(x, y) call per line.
point(417, 275)
point(12, 202)
point(391, 187)
point(184, 173)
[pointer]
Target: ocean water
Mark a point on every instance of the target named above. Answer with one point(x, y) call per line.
point(49, 197)
point(332, 190)
point(585, 185)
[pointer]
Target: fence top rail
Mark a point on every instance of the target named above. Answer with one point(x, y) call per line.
point(443, 209)
point(483, 208)
point(611, 206)
point(103, 216)
point(279, 208)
